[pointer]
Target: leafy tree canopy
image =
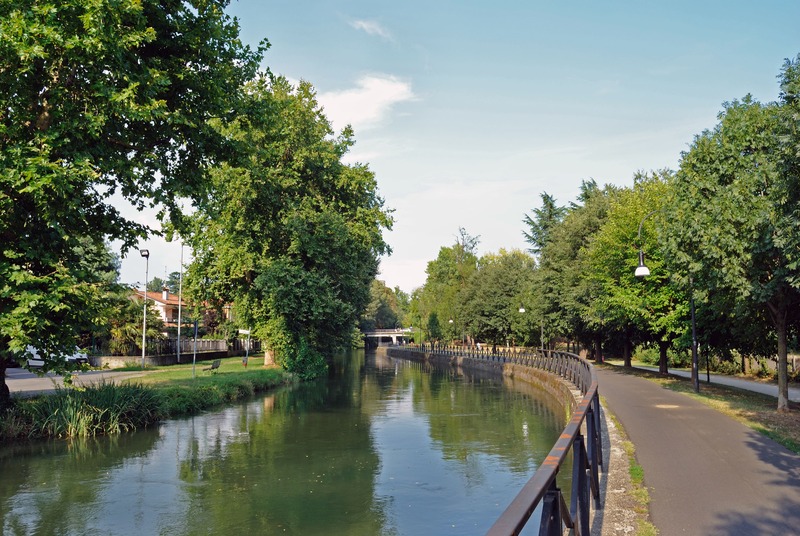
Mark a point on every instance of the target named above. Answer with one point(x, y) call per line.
point(100, 98)
point(289, 233)
point(734, 210)
point(541, 224)
point(491, 303)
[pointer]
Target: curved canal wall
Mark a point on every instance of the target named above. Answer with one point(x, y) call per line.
point(552, 384)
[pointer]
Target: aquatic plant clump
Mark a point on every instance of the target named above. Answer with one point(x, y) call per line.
point(109, 408)
point(104, 409)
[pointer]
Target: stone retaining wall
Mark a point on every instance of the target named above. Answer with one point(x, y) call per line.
point(550, 383)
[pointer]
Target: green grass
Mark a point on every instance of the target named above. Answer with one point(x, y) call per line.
point(181, 396)
point(113, 408)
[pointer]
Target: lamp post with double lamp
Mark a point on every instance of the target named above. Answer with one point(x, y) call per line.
point(643, 271)
point(146, 254)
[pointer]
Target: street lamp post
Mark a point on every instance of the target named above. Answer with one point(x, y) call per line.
point(146, 254)
point(180, 304)
point(642, 271)
point(451, 327)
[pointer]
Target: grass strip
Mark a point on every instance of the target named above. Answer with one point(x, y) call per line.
point(111, 408)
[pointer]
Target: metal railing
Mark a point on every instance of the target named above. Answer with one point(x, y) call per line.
point(586, 451)
point(160, 347)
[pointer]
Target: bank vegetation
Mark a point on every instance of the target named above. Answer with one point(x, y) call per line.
point(111, 408)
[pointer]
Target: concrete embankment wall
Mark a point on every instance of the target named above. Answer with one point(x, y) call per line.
point(550, 383)
point(113, 362)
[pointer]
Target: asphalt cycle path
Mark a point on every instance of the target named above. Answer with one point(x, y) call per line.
point(765, 388)
point(706, 473)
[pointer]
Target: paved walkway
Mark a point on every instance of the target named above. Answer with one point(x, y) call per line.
point(706, 473)
point(765, 388)
point(21, 382)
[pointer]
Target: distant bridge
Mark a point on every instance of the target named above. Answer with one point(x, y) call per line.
point(385, 337)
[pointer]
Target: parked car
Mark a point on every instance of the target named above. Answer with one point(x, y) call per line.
point(36, 361)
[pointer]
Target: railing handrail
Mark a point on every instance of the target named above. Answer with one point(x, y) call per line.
point(541, 488)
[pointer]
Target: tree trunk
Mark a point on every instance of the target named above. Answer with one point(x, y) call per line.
point(5, 393)
point(783, 369)
point(778, 311)
point(598, 349)
point(662, 357)
point(626, 353)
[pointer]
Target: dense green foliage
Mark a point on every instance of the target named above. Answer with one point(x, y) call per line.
point(289, 233)
point(722, 231)
point(387, 308)
point(733, 215)
point(99, 99)
point(159, 104)
point(490, 303)
point(448, 276)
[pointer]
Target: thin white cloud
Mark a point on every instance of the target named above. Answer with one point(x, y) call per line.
point(372, 28)
point(368, 104)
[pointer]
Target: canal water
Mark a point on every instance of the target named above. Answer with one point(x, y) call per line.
point(380, 447)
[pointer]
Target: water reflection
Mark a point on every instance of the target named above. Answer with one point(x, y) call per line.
point(382, 446)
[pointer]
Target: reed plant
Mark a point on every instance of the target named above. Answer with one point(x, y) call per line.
point(109, 408)
point(103, 409)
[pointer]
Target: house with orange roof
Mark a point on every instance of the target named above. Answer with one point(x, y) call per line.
point(167, 305)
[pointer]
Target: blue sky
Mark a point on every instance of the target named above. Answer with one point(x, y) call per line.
point(468, 110)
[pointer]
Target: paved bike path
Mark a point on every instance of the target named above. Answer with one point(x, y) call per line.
point(24, 383)
point(764, 388)
point(707, 474)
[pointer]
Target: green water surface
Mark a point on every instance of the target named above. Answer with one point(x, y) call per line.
point(380, 447)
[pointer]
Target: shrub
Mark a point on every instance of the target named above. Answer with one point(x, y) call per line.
point(649, 355)
point(763, 368)
point(728, 367)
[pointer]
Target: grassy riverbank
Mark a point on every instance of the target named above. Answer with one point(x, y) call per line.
point(112, 408)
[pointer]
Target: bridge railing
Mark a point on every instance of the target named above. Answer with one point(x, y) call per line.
point(542, 488)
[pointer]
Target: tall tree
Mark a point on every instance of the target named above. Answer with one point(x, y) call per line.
point(447, 277)
point(434, 327)
point(562, 284)
point(156, 284)
point(541, 224)
point(653, 309)
point(289, 233)
point(383, 311)
point(735, 209)
point(97, 99)
point(490, 305)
